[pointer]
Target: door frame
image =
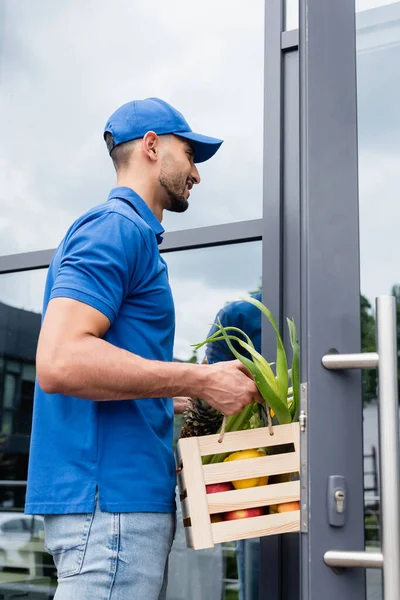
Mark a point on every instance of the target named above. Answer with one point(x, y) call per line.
point(311, 270)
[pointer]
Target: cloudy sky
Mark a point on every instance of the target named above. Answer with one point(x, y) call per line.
point(65, 66)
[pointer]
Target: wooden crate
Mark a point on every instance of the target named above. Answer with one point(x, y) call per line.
point(197, 505)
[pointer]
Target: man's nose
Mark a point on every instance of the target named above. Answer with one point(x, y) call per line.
point(195, 175)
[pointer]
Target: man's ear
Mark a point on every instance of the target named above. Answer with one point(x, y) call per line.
point(151, 145)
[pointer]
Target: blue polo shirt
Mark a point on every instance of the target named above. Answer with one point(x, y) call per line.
point(110, 260)
point(243, 315)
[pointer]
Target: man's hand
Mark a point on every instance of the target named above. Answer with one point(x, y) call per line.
point(181, 403)
point(228, 386)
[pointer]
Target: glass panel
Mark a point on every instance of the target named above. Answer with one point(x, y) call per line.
point(291, 20)
point(207, 61)
point(10, 384)
point(7, 422)
point(28, 373)
point(378, 54)
point(291, 15)
point(368, 4)
point(203, 281)
point(13, 367)
point(26, 568)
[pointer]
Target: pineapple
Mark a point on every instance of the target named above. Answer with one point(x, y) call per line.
point(200, 419)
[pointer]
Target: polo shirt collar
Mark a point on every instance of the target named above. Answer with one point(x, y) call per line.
point(140, 206)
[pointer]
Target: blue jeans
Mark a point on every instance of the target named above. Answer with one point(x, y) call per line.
point(110, 556)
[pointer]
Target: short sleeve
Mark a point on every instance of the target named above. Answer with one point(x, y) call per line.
point(98, 261)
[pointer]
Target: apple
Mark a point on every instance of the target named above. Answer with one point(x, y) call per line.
point(284, 507)
point(244, 513)
point(217, 518)
point(214, 488)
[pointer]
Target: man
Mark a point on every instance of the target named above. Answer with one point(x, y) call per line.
point(101, 464)
point(246, 317)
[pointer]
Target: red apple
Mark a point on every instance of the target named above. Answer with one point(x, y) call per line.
point(217, 518)
point(213, 488)
point(244, 513)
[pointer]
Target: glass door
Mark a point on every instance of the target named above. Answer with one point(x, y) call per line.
point(378, 98)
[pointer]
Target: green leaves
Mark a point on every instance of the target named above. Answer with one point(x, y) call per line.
point(281, 362)
point(295, 370)
point(263, 376)
point(274, 387)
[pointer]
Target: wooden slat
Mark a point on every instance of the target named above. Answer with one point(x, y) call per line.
point(296, 438)
point(243, 440)
point(178, 457)
point(251, 497)
point(251, 467)
point(254, 527)
point(196, 499)
point(189, 537)
point(181, 481)
point(185, 509)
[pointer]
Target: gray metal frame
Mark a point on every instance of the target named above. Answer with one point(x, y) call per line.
point(280, 578)
point(176, 241)
point(271, 547)
point(311, 272)
point(330, 274)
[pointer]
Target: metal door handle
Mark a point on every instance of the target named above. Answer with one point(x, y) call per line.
point(386, 361)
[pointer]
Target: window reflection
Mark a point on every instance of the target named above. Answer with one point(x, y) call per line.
point(20, 317)
point(77, 71)
point(291, 20)
point(378, 96)
point(204, 281)
point(291, 15)
point(368, 4)
point(26, 570)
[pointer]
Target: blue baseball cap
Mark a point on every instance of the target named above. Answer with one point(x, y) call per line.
point(134, 119)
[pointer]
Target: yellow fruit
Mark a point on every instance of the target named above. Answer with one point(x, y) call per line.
point(284, 507)
point(242, 455)
point(263, 480)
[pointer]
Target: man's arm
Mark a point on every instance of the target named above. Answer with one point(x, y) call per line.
point(181, 403)
point(73, 359)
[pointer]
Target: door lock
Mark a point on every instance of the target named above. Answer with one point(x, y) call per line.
point(336, 500)
point(339, 499)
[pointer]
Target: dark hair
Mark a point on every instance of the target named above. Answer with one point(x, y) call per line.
point(108, 137)
point(119, 153)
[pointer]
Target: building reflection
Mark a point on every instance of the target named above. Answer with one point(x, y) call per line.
point(19, 331)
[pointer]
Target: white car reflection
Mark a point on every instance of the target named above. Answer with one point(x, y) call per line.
point(21, 542)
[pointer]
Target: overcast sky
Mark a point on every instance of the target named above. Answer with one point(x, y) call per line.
point(65, 66)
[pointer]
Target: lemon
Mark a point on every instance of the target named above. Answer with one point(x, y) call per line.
point(252, 481)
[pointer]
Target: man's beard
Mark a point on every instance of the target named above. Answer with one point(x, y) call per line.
point(175, 186)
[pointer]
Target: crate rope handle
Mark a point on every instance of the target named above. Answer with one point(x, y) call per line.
point(270, 427)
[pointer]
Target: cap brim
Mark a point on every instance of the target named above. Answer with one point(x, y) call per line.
point(204, 147)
